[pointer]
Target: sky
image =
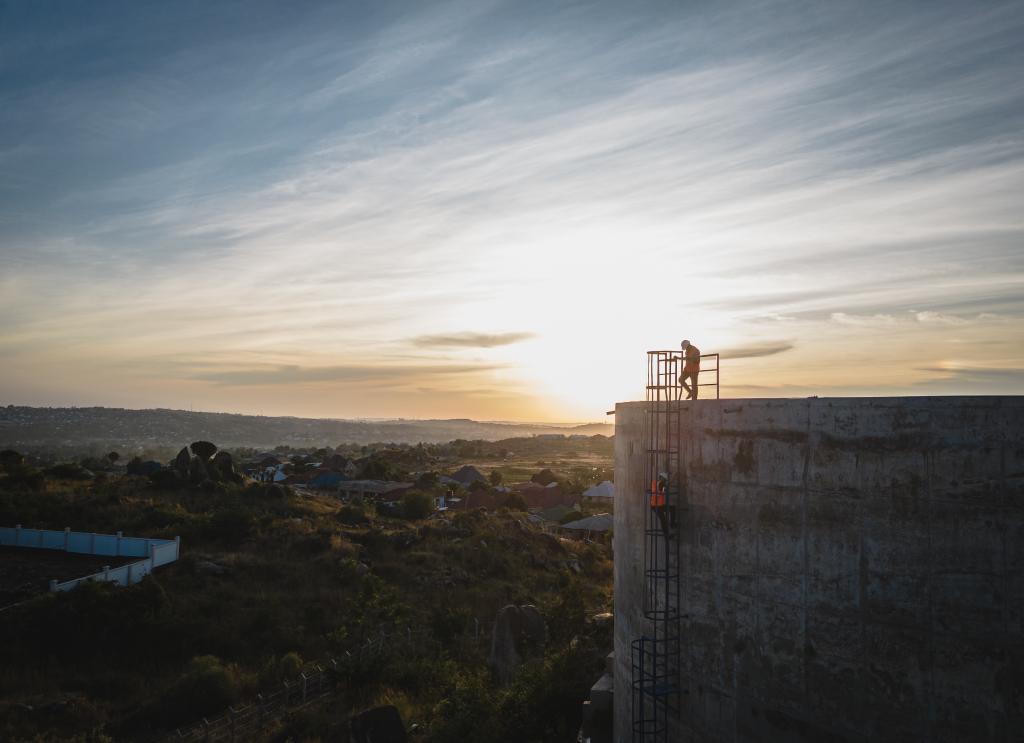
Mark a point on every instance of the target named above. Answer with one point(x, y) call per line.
point(493, 209)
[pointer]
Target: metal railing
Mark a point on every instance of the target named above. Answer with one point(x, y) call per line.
point(665, 368)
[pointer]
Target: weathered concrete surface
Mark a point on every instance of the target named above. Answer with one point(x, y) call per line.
point(853, 569)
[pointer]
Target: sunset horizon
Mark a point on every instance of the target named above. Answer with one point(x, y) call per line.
point(493, 211)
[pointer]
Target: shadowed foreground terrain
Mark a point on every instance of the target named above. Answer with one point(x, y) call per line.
point(270, 581)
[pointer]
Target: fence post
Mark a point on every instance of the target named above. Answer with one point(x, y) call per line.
point(92, 543)
point(42, 532)
point(259, 710)
point(231, 714)
point(53, 585)
point(117, 549)
point(152, 555)
point(106, 572)
point(67, 538)
point(130, 573)
point(305, 680)
point(206, 727)
point(177, 547)
point(17, 535)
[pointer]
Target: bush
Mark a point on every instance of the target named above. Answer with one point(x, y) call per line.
point(567, 616)
point(278, 669)
point(544, 477)
point(207, 687)
point(231, 526)
point(352, 516)
point(70, 471)
point(24, 476)
point(515, 502)
point(417, 505)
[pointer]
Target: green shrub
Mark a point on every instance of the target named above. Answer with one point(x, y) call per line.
point(24, 476)
point(417, 505)
point(70, 471)
point(515, 502)
point(567, 616)
point(278, 669)
point(352, 516)
point(206, 687)
point(231, 525)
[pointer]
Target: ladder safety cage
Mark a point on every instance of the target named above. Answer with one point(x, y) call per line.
point(656, 656)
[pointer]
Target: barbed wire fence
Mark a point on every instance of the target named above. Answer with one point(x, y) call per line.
point(316, 682)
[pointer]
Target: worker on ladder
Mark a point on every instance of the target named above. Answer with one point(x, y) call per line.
point(666, 513)
point(691, 368)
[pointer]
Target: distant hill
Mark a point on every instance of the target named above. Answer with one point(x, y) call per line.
point(27, 427)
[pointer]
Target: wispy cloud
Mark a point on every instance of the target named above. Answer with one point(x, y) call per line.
point(756, 351)
point(377, 375)
point(321, 188)
point(471, 340)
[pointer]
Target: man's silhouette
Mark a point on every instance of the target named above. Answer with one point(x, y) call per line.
point(691, 368)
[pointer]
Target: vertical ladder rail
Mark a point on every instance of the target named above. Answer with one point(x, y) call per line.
point(655, 657)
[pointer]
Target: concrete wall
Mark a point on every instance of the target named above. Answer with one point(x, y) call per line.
point(853, 569)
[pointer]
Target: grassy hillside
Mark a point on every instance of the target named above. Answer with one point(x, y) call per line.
point(66, 429)
point(270, 580)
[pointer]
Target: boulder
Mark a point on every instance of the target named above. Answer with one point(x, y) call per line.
point(203, 449)
point(197, 471)
point(224, 465)
point(519, 632)
point(181, 462)
point(377, 725)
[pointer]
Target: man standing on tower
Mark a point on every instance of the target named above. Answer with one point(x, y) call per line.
point(691, 368)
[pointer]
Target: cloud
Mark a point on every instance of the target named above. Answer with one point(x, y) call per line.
point(756, 351)
point(347, 177)
point(471, 340)
point(346, 374)
point(976, 374)
point(863, 321)
point(939, 319)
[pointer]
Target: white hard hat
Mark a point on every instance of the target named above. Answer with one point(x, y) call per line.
point(684, 344)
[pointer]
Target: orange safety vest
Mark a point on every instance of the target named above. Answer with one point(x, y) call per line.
point(692, 359)
point(657, 494)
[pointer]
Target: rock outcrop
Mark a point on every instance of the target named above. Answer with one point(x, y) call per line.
point(197, 473)
point(181, 462)
point(201, 464)
point(203, 449)
point(519, 632)
point(224, 466)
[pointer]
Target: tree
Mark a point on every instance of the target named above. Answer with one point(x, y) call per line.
point(544, 477)
point(496, 478)
point(515, 502)
point(417, 505)
point(426, 481)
